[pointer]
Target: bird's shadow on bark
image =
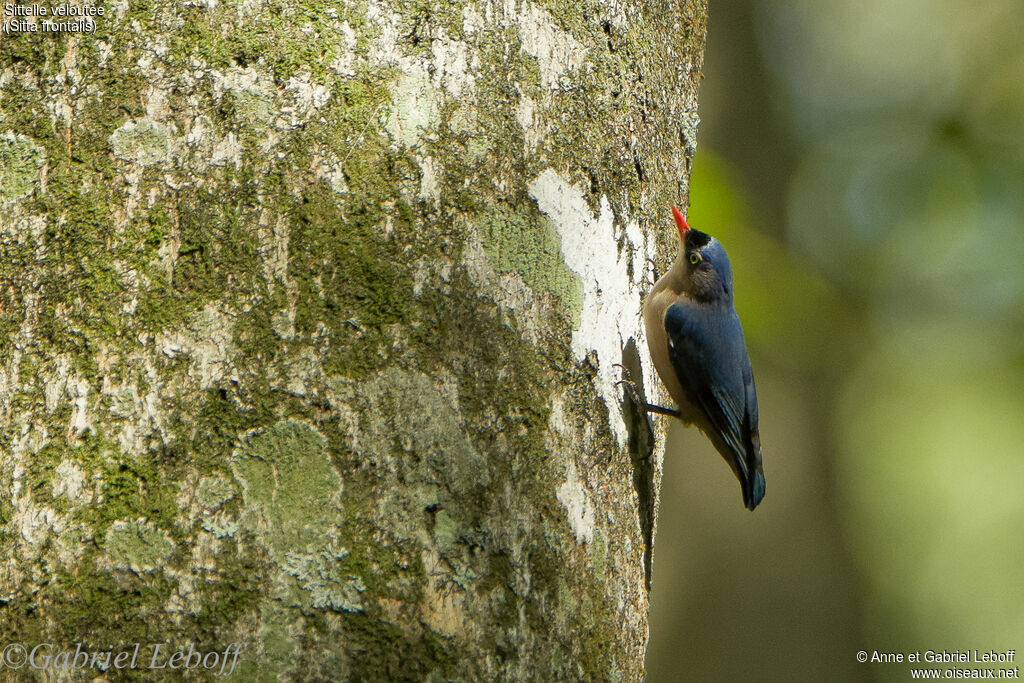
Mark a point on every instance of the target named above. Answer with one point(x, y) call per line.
point(641, 449)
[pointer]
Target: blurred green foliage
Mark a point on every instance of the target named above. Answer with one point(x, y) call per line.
point(863, 163)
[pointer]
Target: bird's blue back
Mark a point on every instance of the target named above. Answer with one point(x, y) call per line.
point(709, 355)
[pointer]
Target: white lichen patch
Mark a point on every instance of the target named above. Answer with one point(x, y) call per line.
point(35, 523)
point(556, 421)
point(69, 480)
point(532, 124)
point(103, 52)
point(344, 63)
point(574, 497)
point(227, 151)
point(81, 421)
point(600, 253)
point(256, 99)
point(157, 104)
point(141, 414)
point(472, 22)
point(453, 65)
point(207, 341)
point(300, 373)
point(274, 233)
point(23, 229)
point(430, 187)
point(57, 373)
point(62, 387)
point(143, 142)
point(414, 109)
point(525, 111)
point(199, 131)
point(384, 49)
point(616, 11)
point(323, 585)
point(304, 99)
point(556, 51)
point(248, 81)
point(425, 85)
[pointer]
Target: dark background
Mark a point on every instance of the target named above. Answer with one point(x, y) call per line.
point(863, 163)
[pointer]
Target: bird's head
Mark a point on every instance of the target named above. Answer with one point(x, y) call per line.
point(708, 273)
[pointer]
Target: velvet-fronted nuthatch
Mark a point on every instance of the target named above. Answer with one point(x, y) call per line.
point(696, 344)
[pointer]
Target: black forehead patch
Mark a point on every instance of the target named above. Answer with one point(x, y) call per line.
point(695, 239)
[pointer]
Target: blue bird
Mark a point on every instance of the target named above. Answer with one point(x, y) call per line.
point(696, 343)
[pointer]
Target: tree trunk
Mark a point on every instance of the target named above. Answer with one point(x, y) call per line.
point(309, 321)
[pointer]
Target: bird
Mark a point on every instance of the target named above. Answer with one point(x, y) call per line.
point(696, 344)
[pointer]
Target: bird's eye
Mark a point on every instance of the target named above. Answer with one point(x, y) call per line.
point(695, 258)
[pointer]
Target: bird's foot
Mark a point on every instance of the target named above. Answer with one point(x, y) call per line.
point(630, 386)
point(634, 393)
point(628, 383)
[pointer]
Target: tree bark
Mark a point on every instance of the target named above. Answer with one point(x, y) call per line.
point(310, 317)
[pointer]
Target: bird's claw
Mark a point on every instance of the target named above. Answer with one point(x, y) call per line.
point(625, 375)
point(627, 382)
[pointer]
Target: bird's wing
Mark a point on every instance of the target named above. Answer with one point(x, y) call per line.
point(710, 359)
point(752, 436)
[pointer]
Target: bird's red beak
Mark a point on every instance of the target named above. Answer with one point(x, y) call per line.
point(680, 222)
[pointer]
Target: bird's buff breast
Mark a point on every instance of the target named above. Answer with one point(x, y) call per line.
point(654, 310)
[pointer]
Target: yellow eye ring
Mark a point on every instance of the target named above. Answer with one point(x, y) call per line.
point(695, 258)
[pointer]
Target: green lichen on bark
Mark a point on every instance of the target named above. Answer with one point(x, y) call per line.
point(142, 143)
point(258, 383)
point(290, 490)
point(20, 159)
point(530, 246)
point(138, 546)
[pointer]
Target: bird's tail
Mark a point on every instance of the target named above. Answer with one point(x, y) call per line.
point(753, 488)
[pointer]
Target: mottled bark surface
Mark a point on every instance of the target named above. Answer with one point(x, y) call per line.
point(309, 317)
